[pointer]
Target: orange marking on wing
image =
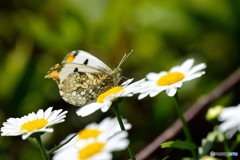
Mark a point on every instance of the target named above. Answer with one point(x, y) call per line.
point(55, 75)
point(70, 58)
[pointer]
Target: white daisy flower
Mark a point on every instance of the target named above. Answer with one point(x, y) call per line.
point(170, 81)
point(94, 149)
point(106, 128)
point(104, 100)
point(33, 123)
point(231, 120)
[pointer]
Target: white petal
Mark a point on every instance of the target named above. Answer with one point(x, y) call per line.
point(110, 126)
point(171, 91)
point(228, 124)
point(106, 106)
point(102, 156)
point(127, 126)
point(58, 119)
point(229, 113)
point(105, 123)
point(88, 109)
point(143, 95)
point(231, 119)
point(69, 153)
point(193, 76)
point(154, 93)
point(118, 142)
point(92, 125)
point(48, 130)
point(187, 65)
point(40, 114)
point(152, 76)
point(197, 68)
point(230, 133)
point(178, 85)
point(54, 114)
point(126, 82)
point(25, 136)
point(175, 69)
point(130, 89)
point(48, 113)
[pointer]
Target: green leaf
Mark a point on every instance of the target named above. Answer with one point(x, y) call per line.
point(207, 143)
point(238, 137)
point(165, 158)
point(178, 144)
point(236, 143)
point(187, 158)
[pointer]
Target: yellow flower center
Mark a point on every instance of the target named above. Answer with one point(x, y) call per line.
point(113, 90)
point(170, 78)
point(88, 133)
point(34, 124)
point(90, 150)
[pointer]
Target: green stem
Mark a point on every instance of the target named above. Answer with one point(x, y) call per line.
point(234, 146)
point(41, 147)
point(119, 118)
point(227, 148)
point(185, 127)
point(60, 146)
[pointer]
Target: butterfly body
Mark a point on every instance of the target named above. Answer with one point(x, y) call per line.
point(81, 77)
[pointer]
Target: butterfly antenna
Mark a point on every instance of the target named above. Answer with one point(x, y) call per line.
point(125, 56)
point(125, 78)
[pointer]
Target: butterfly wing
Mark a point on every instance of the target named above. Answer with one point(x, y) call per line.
point(85, 58)
point(80, 84)
point(81, 77)
point(69, 68)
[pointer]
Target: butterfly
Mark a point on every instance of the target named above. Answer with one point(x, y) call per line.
point(81, 77)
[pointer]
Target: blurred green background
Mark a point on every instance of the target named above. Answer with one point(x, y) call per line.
point(35, 35)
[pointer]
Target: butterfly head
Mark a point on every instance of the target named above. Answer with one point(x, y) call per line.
point(117, 71)
point(116, 74)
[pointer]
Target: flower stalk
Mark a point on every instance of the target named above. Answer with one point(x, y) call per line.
point(41, 147)
point(185, 127)
point(60, 146)
point(227, 148)
point(119, 118)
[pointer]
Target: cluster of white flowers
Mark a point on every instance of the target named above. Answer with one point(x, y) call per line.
point(95, 141)
point(98, 141)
